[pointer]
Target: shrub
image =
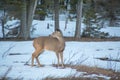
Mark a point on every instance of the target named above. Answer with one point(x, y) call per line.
point(94, 32)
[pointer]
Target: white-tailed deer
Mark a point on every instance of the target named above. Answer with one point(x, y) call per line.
point(55, 42)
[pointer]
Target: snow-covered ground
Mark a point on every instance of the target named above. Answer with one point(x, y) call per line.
point(15, 53)
point(41, 29)
point(44, 28)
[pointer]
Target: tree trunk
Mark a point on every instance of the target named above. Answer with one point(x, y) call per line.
point(3, 28)
point(56, 8)
point(67, 14)
point(23, 27)
point(31, 9)
point(28, 9)
point(79, 19)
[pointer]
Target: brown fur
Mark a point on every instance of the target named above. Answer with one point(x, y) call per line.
point(54, 42)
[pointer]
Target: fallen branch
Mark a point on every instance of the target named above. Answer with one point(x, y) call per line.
point(27, 62)
point(6, 52)
point(6, 73)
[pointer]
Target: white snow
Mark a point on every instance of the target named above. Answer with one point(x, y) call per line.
point(41, 28)
point(28, 72)
point(78, 53)
point(113, 31)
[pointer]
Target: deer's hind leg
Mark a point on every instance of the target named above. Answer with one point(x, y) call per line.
point(40, 51)
point(36, 55)
point(57, 54)
point(61, 57)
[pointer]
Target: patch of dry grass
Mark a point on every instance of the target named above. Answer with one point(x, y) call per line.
point(89, 71)
point(71, 78)
point(95, 70)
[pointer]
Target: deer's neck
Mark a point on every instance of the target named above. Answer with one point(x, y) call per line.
point(61, 40)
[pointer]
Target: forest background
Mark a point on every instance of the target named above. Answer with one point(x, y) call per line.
point(93, 13)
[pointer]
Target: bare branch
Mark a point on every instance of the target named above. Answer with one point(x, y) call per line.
point(6, 73)
point(6, 52)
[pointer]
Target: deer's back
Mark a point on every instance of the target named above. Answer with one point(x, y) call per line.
point(48, 43)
